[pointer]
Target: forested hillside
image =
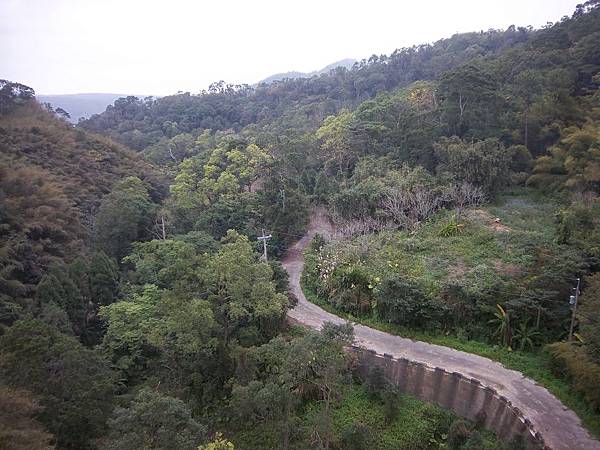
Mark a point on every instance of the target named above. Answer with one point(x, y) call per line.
point(463, 178)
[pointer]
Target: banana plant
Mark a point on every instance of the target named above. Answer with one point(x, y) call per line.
point(526, 335)
point(503, 327)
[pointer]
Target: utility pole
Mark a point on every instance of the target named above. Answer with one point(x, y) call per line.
point(264, 239)
point(573, 301)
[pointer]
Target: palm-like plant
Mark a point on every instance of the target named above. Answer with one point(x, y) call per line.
point(503, 330)
point(526, 335)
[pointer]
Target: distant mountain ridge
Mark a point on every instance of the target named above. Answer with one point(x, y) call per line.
point(347, 63)
point(80, 105)
point(87, 104)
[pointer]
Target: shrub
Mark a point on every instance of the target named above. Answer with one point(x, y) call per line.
point(451, 228)
point(475, 442)
point(401, 301)
point(376, 382)
point(590, 321)
point(391, 400)
point(351, 290)
point(355, 436)
point(458, 434)
point(570, 361)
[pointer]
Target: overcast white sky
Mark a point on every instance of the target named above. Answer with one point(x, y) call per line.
point(161, 47)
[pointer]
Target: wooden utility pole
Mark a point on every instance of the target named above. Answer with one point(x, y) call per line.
point(573, 300)
point(264, 239)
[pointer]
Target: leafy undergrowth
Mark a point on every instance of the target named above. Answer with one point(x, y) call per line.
point(481, 256)
point(418, 425)
point(534, 365)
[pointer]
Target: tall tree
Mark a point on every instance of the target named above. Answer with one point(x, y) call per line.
point(124, 216)
point(154, 421)
point(483, 163)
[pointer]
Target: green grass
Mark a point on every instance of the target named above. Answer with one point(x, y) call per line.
point(533, 365)
point(418, 425)
point(484, 259)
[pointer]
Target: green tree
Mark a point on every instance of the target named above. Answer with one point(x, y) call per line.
point(574, 162)
point(470, 101)
point(376, 382)
point(13, 95)
point(483, 163)
point(153, 421)
point(356, 436)
point(104, 279)
point(272, 381)
point(154, 326)
point(232, 169)
point(168, 264)
point(336, 141)
point(57, 289)
point(241, 290)
point(123, 217)
point(526, 87)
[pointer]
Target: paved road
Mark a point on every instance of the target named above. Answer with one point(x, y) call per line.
point(559, 426)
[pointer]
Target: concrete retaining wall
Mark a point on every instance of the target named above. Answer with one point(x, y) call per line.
point(467, 397)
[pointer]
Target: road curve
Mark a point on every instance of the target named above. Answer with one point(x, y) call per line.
point(560, 427)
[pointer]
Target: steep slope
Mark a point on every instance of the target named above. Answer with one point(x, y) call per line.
point(85, 165)
point(52, 179)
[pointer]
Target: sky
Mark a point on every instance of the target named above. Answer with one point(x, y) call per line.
point(160, 47)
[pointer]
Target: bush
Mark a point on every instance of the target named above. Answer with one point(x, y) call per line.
point(391, 400)
point(376, 382)
point(355, 436)
point(458, 434)
point(590, 320)
point(351, 291)
point(475, 442)
point(401, 301)
point(570, 361)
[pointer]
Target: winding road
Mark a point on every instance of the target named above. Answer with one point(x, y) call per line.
point(559, 426)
